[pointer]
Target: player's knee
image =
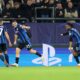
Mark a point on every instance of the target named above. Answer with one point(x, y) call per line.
point(32, 51)
point(18, 50)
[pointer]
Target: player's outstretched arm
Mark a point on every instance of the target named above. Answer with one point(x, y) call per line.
point(25, 27)
point(64, 34)
point(8, 38)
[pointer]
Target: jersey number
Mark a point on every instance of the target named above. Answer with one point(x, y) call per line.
point(1, 30)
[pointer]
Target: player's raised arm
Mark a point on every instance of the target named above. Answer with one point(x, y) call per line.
point(8, 38)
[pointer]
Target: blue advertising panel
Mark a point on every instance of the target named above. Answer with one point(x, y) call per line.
point(48, 33)
point(62, 57)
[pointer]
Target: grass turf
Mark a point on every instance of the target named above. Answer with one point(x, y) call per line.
point(40, 73)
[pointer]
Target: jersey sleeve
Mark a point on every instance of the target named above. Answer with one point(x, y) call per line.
point(5, 29)
point(66, 33)
point(70, 33)
point(29, 33)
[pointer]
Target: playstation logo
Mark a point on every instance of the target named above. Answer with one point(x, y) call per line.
point(49, 56)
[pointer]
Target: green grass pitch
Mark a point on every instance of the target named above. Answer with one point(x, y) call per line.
point(40, 73)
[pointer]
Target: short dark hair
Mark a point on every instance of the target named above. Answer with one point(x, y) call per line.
point(14, 20)
point(70, 24)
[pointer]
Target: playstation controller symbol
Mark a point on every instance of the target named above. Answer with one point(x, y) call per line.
point(49, 56)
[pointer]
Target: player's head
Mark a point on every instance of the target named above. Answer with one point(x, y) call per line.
point(69, 26)
point(1, 22)
point(24, 23)
point(14, 23)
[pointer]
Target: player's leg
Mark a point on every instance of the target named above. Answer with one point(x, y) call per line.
point(18, 50)
point(31, 50)
point(75, 53)
point(1, 56)
point(35, 52)
point(4, 49)
point(6, 57)
point(3, 59)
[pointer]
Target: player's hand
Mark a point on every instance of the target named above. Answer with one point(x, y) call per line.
point(23, 26)
point(70, 48)
point(61, 34)
point(10, 44)
point(15, 43)
point(28, 27)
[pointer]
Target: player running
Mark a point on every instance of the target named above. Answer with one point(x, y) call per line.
point(3, 45)
point(74, 38)
point(22, 40)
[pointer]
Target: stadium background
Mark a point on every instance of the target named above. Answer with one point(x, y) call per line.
point(46, 19)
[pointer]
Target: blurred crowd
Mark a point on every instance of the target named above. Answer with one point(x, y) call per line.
point(21, 8)
point(26, 9)
point(67, 9)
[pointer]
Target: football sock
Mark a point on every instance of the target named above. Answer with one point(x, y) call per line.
point(17, 60)
point(6, 58)
point(76, 58)
point(38, 54)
